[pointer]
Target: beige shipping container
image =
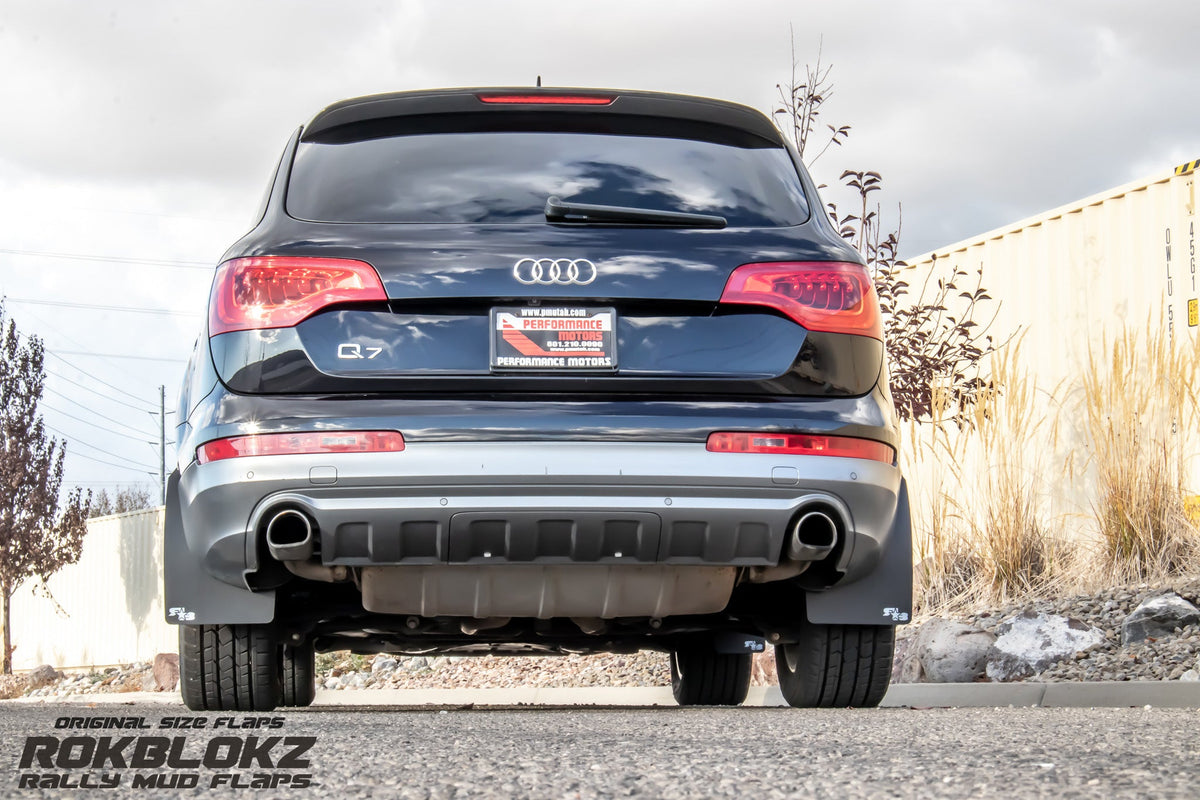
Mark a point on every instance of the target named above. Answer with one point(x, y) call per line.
point(1087, 269)
point(1069, 281)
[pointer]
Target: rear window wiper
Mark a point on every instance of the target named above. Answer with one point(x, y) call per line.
point(558, 210)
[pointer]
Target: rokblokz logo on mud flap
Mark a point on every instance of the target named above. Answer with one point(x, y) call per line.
point(231, 757)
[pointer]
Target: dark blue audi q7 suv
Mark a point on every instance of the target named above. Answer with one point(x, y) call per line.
point(539, 371)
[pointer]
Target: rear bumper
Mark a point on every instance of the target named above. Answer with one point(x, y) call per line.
point(534, 503)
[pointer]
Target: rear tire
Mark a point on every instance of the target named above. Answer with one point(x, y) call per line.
point(298, 673)
point(701, 677)
point(836, 666)
point(228, 668)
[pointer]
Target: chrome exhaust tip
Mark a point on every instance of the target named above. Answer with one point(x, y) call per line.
point(813, 537)
point(290, 536)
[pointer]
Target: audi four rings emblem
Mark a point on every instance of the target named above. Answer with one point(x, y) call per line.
point(551, 271)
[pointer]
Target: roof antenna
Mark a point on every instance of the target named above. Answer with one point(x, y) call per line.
point(539, 81)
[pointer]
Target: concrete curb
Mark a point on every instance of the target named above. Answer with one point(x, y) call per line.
point(644, 696)
point(1107, 694)
point(1122, 694)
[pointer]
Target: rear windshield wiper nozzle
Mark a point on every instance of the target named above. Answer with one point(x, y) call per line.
point(558, 210)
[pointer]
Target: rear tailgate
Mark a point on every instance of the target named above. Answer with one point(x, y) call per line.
point(477, 292)
point(437, 331)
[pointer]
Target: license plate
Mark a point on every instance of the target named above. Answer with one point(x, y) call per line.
point(546, 339)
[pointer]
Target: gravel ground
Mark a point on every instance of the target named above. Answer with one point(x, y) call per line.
point(127, 678)
point(1168, 658)
point(492, 672)
point(687, 753)
point(1165, 659)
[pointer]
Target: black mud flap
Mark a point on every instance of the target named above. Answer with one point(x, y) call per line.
point(882, 598)
point(732, 642)
point(191, 595)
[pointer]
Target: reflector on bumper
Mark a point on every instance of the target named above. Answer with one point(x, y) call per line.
point(276, 444)
point(800, 444)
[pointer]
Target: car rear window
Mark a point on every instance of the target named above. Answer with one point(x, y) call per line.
point(506, 177)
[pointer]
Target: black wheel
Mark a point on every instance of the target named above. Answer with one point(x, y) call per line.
point(702, 677)
point(298, 673)
point(836, 666)
point(228, 668)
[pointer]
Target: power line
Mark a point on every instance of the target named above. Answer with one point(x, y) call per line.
point(106, 483)
point(151, 214)
point(56, 353)
point(164, 262)
point(119, 355)
point(93, 424)
point(93, 377)
point(129, 463)
point(100, 307)
point(75, 440)
point(69, 399)
point(59, 332)
point(99, 394)
point(148, 470)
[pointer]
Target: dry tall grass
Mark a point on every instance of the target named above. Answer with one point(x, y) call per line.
point(1019, 549)
point(947, 564)
point(1139, 408)
point(986, 533)
point(986, 529)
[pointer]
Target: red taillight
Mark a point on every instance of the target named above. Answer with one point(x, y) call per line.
point(800, 444)
point(280, 291)
point(822, 295)
point(548, 99)
point(281, 444)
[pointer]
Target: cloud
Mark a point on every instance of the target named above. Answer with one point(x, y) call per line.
point(148, 128)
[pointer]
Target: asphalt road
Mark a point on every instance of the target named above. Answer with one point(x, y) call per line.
point(651, 752)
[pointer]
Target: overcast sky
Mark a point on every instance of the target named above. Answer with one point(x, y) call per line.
point(145, 132)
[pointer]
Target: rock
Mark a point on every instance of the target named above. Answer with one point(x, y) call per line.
point(901, 658)
point(909, 670)
point(383, 664)
point(143, 682)
point(331, 683)
point(951, 652)
point(417, 663)
point(166, 672)
point(43, 676)
point(1158, 617)
point(1030, 643)
point(1190, 676)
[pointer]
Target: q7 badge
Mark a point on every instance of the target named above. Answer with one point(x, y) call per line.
point(352, 350)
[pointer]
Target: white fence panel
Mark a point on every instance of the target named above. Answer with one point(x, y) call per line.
point(107, 609)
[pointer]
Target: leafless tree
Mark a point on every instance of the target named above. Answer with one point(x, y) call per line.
point(934, 343)
point(123, 499)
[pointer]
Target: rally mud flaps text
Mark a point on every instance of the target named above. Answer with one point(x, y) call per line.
point(259, 760)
